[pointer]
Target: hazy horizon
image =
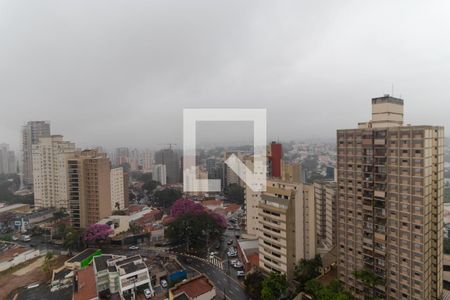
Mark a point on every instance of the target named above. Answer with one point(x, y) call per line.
point(113, 74)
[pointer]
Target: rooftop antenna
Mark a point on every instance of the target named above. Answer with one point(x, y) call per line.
point(392, 90)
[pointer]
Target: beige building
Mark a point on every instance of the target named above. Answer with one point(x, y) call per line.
point(390, 204)
point(31, 133)
point(287, 226)
point(326, 203)
point(290, 173)
point(117, 189)
point(89, 187)
point(50, 156)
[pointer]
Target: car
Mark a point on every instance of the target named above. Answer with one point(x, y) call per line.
point(147, 293)
point(163, 283)
point(230, 242)
point(232, 254)
point(233, 261)
point(133, 247)
point(240, 273)
point(238, 265)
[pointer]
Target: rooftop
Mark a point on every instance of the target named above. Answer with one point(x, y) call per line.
point(193, 288)
point(101, 262)
point(82, 255)
point(86, 285)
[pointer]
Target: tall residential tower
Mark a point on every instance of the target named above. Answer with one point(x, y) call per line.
point(390, 204)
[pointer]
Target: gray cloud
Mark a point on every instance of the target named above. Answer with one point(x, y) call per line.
point(118, 73)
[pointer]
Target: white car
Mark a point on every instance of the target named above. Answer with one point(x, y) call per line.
point(147, 293)
point(240, 273)
point(238, 265)
point(163, 283)
point(133, 248)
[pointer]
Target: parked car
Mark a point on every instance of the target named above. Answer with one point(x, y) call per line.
point(238, 265)
point(147, 294)
point(163, 283)
point(230, 242)
point(133, 247)
point(240, 273)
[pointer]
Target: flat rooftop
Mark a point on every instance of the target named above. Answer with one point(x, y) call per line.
point(82, 255)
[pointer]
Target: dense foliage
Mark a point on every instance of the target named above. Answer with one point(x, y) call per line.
point(253, 284)
point(165, 198)
point(274, 286)
point(96, 233)
point(194, 226)
point(305, 270)
point(333, 291)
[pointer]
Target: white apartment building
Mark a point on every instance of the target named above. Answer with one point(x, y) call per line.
point(159, 173)
point(50, 156)
point(117, 189)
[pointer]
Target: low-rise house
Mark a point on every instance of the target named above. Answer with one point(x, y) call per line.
point(117, 223)
point(120, 274)
point(212, 204)
point(198, 288)
point(84, 285)
point(248, 253)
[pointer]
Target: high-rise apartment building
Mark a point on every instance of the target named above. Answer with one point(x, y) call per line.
point(171, 160)
point(390, 204)
point(287, 231)
point(7, 160)
point(159, 174)
point(117, 188)
point(50, 156)
point(89, 186)
point(326, 203)
point(31, 133)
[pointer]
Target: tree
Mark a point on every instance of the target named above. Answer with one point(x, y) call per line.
point(369, 279)
point(150, 185)
point(72, 238)
point(274, 286)
point(60, 214)
point(165, 198)
point(48, 263)
point(184, 206)
point(96, 232)
point(305, 270)
point(253, 284)
point(331, 292)
point(197, 231)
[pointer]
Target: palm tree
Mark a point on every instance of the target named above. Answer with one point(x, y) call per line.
point(48, 262)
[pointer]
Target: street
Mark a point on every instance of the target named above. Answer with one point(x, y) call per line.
point(223, 282)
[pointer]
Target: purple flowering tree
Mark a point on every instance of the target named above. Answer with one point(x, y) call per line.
point(184, 206)
point(219, 219)
point(96, 232)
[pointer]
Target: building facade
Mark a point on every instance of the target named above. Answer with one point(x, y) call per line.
point(159, 174)
point(7, 160)
point(326, 207)
point(31, 133)
point(89, 188)
point(50, 156)
point(390, 205)
point(117, 188)
point(171, 160)
point(287, 231)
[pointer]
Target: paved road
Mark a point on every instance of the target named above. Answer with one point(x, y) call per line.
point(224, 284)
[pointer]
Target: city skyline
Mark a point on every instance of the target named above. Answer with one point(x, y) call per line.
point(98, 80)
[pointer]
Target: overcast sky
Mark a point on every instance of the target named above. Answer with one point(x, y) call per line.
point(117, 73)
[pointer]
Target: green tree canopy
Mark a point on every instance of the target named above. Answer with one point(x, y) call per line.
point(305, 270)
point(274, 286)
point(253, 284)
point(165, 198)
point(196, 231)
